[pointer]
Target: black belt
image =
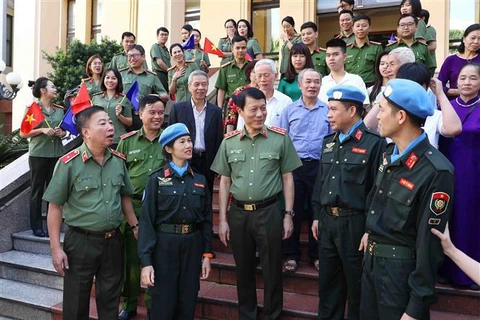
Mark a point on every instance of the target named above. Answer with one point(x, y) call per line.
point(199, 153)
point(99, 234)
point(342, 212)
point(253, 206)
point(176, 228)
point(390, 251)
point(309, 159)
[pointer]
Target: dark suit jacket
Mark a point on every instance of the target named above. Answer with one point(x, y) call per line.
point(182, 112)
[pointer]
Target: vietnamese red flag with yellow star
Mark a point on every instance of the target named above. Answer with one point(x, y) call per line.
point(32, 118)
point(209, 47)
point(82, 101)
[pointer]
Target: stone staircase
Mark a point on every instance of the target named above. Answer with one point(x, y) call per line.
point(30, 288)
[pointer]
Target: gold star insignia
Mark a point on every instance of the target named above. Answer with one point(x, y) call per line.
point(30, 118)
point(214, 48)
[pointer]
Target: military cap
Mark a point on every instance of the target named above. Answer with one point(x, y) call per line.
point(346, 93)
point(173, 132)
point(409, 96)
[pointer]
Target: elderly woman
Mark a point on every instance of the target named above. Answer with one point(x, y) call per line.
point(178, 74)
point(175, 231)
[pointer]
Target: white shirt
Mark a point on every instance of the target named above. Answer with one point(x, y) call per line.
point(275, 106)
point(199, 144)
point(433, 127)
point(349, 78)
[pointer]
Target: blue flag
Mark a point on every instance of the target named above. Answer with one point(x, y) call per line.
point(189, 44)
point(132, 95)
point(392, 38)
point(68, 123)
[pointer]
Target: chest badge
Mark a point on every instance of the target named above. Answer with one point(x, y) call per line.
point(165, 181)
point(407, 184)
point(439, 202)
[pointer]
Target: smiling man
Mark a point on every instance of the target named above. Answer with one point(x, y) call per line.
point(120, 60)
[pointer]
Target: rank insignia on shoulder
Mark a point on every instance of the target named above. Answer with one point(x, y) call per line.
point(128, 134)
point(165, 181)
point(69, 156)
point(118, 154)
point(439, 203)
point(232, 133)
point(277, 129)
point(434, 221)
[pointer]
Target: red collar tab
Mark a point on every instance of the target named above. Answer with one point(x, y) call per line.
point(411, 161)
point(167, 172)
point(358, 135)
point(84, 156)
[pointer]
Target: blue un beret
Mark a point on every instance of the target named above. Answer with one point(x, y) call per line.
point(409, 96)
point(172, 133)
point(346, 93)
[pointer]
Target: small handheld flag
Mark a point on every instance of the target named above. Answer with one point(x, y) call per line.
point(209, 47)
point(392, 38)
point(132, 95)
point(189, 44)
point(82, 101)
point(68, 123)
point(248, 56)
point(32, 118)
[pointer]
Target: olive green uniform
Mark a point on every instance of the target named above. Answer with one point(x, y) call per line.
point(345, 177)
point(92, 88)
point(420, 50)
point(348, 39)
point(253, 47)
point(159, 52)
point(319, 57)
point(421, 32)
point(255, 167)
point(285, 61)
point(231, 77)
point(182, 93)
point(101, 99)
point(120, 62)
point(432, 36)
point(361, 60)
point(90, 194)
point(225, 45)
point(410, 196)
point(143, 157)
point(197, 56)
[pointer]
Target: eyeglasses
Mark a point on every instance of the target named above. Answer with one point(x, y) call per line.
point(134, 56)
point(97, 64)
point(406, 25)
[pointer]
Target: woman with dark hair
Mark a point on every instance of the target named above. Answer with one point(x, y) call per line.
point(115, 103)
point(468, 52)
point(244, 29)
point(381, 77)
point(44, 149)
point(415, 7)
point(225, 44)
point(185, 32)
point(94, 71)
point(299, 59)
point(197, 54)
point(290, 36)
point(178, 74)
point(175, 232)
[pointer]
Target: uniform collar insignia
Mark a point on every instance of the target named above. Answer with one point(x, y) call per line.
point(358, 135)
point(411, 161)
point(85, 156)
point(167, 172)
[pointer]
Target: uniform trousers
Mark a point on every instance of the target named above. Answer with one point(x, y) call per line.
point(304, 179)
point(177, 262)
point(340, 265)
point(163, 77)
point(92, 256)
point(263, 229)
point(41, 170)
point(385, 289)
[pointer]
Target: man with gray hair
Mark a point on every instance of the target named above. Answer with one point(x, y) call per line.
point(396, 58)
point(266, 73)
point(204, 121)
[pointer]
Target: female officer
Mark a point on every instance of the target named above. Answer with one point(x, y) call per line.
point(244, 29)
point(175, 230)
point(94, 70)
point(178, 74)
point(225, 44)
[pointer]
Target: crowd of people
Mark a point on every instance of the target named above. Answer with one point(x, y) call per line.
point(359, 139)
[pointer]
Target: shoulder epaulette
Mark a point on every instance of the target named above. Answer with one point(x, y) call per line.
point(69, 156)
point(376, 43)
point(118, 154)
point(277, 129)
point(319, 49)
point(119, 53)
point(97, 93)
point(86, 79)
point(374, 132)
point(390, 44)
point(226, 63)
point(232, 133)
point(128, 134)
point(58, 106)
point(148, 71)
point(171, 68)
point(350, 44)
point(121, 94)
point(123, 69)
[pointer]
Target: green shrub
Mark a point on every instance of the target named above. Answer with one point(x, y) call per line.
point(12, 147)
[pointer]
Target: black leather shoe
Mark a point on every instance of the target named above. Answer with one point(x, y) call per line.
point(38, 233)
point(126, 315)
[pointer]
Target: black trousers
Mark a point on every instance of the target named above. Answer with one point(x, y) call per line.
point(200, 164)
point(249, 230)
point(177, 265)
point(41, 170)
point(163, 77)
point(340, 266)
point(88, 257)
point(304, 179)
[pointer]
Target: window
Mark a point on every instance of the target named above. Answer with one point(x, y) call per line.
point(96, 33)
point(265, 24)
point(70, 21)
point(9, 41)
point(192, 13)
point(325, 6)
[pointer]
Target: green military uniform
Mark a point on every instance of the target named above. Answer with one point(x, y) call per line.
point(411, 195)
point(90, 194)
point(101, 99)
point(159, 52)
point(92, 87)
point(44, 145)
point(319, 57)
point(348, 39)
point(420, 50)
point(148, 83)
point(182, 93)
point(143, 157)
point(432, 36)
point(197, 56)
point(421, 32)
point(120, 62)
point(285, 61)
point(361, 60)
point(254, 47)
point(345, 177)
point(255, 167)
point(225, 45)
point(231, 77)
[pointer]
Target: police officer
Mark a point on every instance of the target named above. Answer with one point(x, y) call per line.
point(176, 230)
point(345, 20)
point(346, 175)
point(144, 156)
point(411, 195)
point(309, 34)
point(91, 187)
point(255, 164)
point(232, 75)
point(120, 59)
point(161, 57)
point(362, 53)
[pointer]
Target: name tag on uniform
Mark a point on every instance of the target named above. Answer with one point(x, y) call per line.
point(134, 151)
point(359, 150)
point(165, 181)
point(327, 150)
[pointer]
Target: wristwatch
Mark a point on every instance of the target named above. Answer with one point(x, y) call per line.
point(290, 213)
